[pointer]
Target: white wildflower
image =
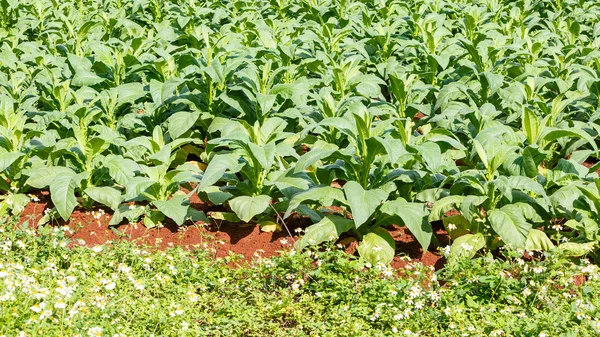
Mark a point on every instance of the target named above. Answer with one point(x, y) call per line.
point(95, 332)
point(467, 247)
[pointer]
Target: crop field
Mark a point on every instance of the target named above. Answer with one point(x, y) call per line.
point(476, 119)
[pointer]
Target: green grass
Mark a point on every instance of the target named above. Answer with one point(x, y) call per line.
point(126, 290)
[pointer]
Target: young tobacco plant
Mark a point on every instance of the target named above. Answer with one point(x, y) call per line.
point(258, 155)
point(371, 212)
point(494, 210)
point(159, 183)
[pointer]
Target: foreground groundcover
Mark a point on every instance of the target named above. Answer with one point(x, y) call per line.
point(51, 287)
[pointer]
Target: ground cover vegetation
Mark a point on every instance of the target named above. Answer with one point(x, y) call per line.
point(52, 286)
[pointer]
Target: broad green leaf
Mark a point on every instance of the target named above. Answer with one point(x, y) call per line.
point(270, 226)
point(225, 216)
point(158, 138)
point(135, 188)
point(216, 195)
point(130, 92)
point(125, 211)
point(312, 157)
point(377, 246)
point(95, 146)
point(43, 177)
point(481, 152)
point(304, 210)
point(328, 229)
point(555, 134)
point(530, 124)
point(413, 216)
point(340, 124)
point(264, 155)
point(436, 137)
point(175, 208)
point(62, 193)
point(463, 226)
point(19, 201)
point(394, 148)
point(443, 205)
point(590, 229)
point(195, 215)
point(511, 225)
point(120, 169)
point(154, 219)
point(538, 240)
point(161, 92)
point(247, 207)
point(7, 158)
point(216, 168)
point(86, 78)
point(107, 196)
point(468, 208)
point(160, 158)
point(466, 246)
point(593, 197)
point(4, 209)
point(532, 157)
point(468, 185)
point(493, 81)
point(500, 156)
point(507, 184)
point(432, 155)
point(363, 203)
point(180, 122)
point(577, 249)
point(290, 183)
point(324, 195)
point(525, 209)
point(525, 164)
point(369, 85)
point(397, 88)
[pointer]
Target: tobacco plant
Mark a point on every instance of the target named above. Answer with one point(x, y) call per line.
point(355, 114)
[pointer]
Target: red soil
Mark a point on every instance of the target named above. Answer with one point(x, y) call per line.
point(589, 165)
point(222, 238)
point(408, 247)
point(419, 115)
